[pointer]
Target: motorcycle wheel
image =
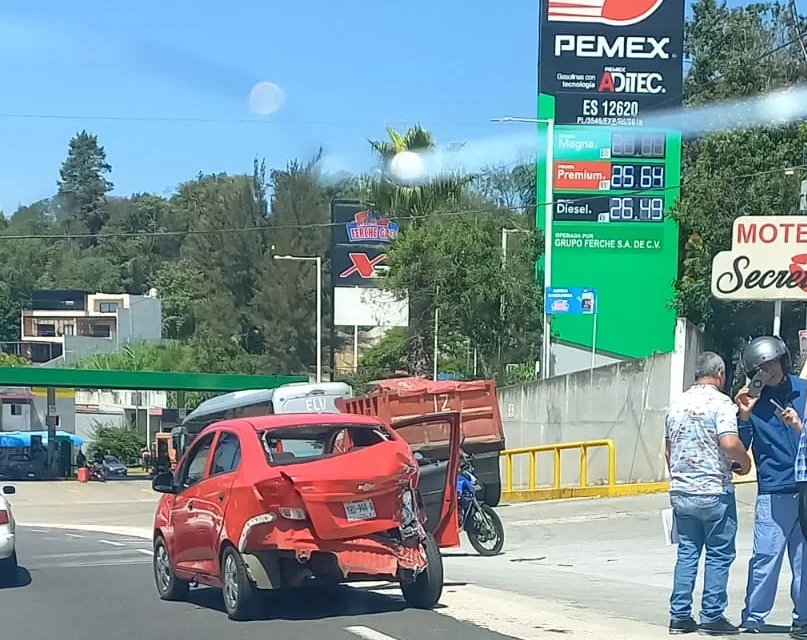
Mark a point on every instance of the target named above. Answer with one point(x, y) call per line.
point(495, 535)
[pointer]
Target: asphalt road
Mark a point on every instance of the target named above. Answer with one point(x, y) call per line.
point(98, 586)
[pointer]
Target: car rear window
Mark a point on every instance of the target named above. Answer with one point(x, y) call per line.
point(290, 445)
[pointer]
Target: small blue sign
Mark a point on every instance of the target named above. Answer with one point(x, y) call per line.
point(570, 301)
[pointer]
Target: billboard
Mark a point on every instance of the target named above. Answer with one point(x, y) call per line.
point(604, 67)
point(767, 260)
point(359, 242)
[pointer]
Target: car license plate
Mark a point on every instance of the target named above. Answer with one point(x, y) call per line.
point(361, 510)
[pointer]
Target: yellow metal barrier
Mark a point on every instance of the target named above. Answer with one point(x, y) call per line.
point(533, 492)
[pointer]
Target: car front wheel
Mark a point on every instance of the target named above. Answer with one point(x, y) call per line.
point(168, 585)
point(237, 589)
point(425, 591)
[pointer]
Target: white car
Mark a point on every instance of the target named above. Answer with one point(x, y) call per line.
point(8, 548)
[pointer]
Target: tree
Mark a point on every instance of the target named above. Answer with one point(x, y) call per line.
point(83, 186)
point(122, 442)
point(179, 284)
point(285, 305)
point(455, 261)
point(8, 360)
point(228, 260)
point(734, 53)
point(413, 203)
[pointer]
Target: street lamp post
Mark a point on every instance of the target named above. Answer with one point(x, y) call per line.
point(318, 261)
point(548, 207)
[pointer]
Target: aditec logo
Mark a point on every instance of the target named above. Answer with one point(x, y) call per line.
point(620, 80)
point(618, 13)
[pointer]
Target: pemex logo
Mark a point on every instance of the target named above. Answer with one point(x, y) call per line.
point(618, 13)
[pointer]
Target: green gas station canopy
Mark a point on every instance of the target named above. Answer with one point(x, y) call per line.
point(138, 380)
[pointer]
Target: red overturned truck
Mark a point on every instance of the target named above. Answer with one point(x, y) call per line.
point(401, 399)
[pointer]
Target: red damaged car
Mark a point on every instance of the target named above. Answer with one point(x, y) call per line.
point(292, 500)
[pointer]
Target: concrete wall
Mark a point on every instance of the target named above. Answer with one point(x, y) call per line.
point(86, 421)
point(77, 348)
point(568, 359)
point(11, 422)
point(65, 408)
point(114, 400)
point(625, 401)
point(141, 321)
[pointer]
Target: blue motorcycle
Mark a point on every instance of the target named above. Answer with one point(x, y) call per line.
point(479, 521)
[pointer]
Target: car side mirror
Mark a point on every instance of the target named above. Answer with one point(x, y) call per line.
point(163, 483)
point(9, 490)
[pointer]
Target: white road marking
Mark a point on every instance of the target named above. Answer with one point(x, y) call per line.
point(80, 554)
point(38, 531)
point(519, 616)
point(73, 535)
point(112, 543)
point(368, 634)
point(100, 563)
point(145, 552)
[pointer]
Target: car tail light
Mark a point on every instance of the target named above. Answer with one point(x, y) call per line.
point(4, 517)
point(278, 494)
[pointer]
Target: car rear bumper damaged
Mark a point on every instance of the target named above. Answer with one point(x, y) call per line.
point(278, 563)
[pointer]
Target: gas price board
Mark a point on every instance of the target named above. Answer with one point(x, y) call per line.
point(612, 188)
point(605, 71)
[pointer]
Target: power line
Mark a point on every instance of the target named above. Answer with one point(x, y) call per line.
point(327, 225)
point(190, 120)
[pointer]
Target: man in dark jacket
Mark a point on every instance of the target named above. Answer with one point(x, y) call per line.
point(771, 425)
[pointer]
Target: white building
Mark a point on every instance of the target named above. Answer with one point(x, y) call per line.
point(79, 324)
point(24, 409)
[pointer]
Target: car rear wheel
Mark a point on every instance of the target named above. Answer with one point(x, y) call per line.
point(425, 591)
point(168, 585)
point(236, 587)
point(8, 570)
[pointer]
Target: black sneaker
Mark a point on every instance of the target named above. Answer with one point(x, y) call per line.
point(719, 627)
point(687, 625)
point(798, 631)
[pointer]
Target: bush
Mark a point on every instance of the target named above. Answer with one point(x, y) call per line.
point(122, 442)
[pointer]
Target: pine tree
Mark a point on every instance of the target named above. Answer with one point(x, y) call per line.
point(83, 186)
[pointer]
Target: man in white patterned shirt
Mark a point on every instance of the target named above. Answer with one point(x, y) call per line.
point(702, 443)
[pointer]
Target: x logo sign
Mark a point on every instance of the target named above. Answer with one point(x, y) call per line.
point(362, 265)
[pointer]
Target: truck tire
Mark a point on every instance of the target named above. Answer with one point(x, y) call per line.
point(492, 493)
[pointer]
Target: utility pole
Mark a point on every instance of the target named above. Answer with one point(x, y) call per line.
point(51, 420)
point(803, 198)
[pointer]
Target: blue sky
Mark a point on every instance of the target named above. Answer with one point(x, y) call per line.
point(347, 68)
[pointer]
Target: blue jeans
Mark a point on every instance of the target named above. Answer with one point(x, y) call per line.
point(703, 521)
point(776, 529)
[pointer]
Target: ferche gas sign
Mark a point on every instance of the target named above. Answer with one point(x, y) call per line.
point(767, 260)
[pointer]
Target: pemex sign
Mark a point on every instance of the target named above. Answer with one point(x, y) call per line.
point(767, 260)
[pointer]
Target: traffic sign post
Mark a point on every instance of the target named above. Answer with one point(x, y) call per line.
point(574, 301)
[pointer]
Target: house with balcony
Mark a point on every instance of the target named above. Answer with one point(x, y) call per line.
point(71, 325)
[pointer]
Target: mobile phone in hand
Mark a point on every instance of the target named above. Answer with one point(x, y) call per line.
point(759, 380)
point(778, 406)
